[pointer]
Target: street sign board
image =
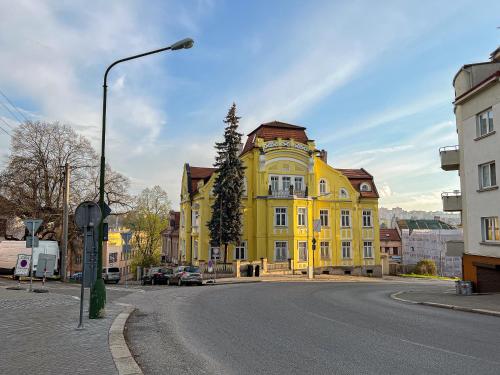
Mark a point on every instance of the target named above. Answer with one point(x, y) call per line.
point(87, 214)
point(215, 251)
point(45, 266)
point(126, 236)
point(32, 225)
point(210, 266)
point(107, 211)
point(23, 265)
point(317, 225)
point(32, 241)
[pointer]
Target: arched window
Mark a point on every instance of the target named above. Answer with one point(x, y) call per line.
point(322, 186)
point(343, 193)
point(365, 187)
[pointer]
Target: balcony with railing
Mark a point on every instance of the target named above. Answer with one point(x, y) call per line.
point(450, 158)
point(452, 201)
point(287, 193)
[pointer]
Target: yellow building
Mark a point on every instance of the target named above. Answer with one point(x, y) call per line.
point(290, 190)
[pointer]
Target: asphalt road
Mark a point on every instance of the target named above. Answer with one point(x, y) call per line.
point(306, 328)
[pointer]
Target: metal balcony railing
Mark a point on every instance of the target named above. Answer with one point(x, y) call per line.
point(450, 158)
point(287, 193)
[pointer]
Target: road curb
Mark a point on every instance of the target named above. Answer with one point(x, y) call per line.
point(124, 361)
point(394, 296)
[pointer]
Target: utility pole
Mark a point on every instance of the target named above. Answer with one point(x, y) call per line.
point(64, 251)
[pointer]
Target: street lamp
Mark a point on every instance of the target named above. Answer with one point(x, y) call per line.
point(98, 292)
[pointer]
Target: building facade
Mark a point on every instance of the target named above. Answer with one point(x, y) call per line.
point(170, 240)
point(477, 111)
point(114, 256)
point(390, 244)
point(288, 188)
point(427, 239)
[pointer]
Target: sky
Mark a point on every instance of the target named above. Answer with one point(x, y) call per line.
point(371, 80)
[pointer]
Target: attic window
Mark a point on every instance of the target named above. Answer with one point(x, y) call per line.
point(365, 187)
point(343, 193)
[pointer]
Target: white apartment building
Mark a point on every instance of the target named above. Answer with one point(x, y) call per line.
point(476, 157)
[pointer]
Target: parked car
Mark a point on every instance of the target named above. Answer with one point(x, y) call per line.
point(111, 275)
point(77, 276)
point(157, 275)
point(185, 275)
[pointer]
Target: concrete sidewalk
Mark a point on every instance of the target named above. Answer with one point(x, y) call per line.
point(446, 298)
point(39, 335)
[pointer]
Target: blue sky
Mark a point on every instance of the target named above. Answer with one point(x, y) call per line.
point(370, 80)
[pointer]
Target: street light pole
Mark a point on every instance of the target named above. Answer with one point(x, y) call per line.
point(98, 292)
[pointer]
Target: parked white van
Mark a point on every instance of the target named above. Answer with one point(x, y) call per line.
point(9, 250)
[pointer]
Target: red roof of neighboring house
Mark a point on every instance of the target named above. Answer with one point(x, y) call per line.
point(274, 130)
point(357, 177)
point(389, 235)
point(199, 173)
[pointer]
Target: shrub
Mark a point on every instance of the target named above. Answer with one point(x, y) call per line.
point(426, 267)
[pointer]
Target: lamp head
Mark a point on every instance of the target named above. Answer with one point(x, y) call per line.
point(182, 44)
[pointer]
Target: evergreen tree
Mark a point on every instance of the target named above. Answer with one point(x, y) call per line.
point(225, 225)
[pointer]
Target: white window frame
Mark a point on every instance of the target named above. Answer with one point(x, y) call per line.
point(368, 249)
point(288, 182)
point(343, 193)
point(487, 180)
point(345, 218)
point(238, 250)
point(280, 217)
point(298, 183)
point(302, 251)
point(280, 259)
point(195, 218)
point(301, 216)
point(274, 181)
point(182, 219)
point(324, 247)
point(489, 125)
point(367, 219)
point(322, 216)
point(365, 187)
point(346, 249)
point(323, 186)
point(493, 223)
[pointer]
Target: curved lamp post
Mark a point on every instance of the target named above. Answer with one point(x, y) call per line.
point(98, 292)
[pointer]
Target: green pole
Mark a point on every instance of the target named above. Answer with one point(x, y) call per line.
point(98, 292)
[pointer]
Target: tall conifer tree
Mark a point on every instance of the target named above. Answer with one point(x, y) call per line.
point(225, 225)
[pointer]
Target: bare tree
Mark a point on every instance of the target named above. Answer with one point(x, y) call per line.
point(33, 179)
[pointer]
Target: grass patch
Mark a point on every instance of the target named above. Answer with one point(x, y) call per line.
point(429, 276)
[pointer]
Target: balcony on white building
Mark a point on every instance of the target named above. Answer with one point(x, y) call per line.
point(450, 158)
point(452, 201)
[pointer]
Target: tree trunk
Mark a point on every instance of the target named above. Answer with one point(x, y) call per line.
point(225, 253)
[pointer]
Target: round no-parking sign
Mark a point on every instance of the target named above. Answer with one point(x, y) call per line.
point(23, 265)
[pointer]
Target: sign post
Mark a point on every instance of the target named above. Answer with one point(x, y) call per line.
point(87, 216)
point(126, 236)
point(22, 267)
point(32, 225)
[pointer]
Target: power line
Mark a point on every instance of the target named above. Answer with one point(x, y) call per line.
point(12, 114)
point(13, 106)
point(5, 131)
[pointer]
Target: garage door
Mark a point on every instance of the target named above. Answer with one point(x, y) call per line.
point(488, 280)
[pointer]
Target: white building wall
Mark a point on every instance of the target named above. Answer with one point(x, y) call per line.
point(473, 153)
point(431, 244)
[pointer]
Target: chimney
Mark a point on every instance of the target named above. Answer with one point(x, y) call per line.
point(323, 155)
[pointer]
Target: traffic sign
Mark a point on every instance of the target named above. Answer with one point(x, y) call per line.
point(32, 225)
point(126, 236)
point(32, 241)
point(210, 266)
point(317, 225)
point(215, 251)
point(45, 265)
point(23, 265)
point(107, 211)
point(87, 214)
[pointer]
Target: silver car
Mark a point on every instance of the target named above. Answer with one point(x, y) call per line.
point(185, 275)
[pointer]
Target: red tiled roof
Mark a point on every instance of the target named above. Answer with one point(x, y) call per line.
point(389, 235)
point(357, 177)
point(274, 130)
point(200, 173)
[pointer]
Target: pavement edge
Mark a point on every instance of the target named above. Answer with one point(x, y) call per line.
point(394, 296)
point(124, 361)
